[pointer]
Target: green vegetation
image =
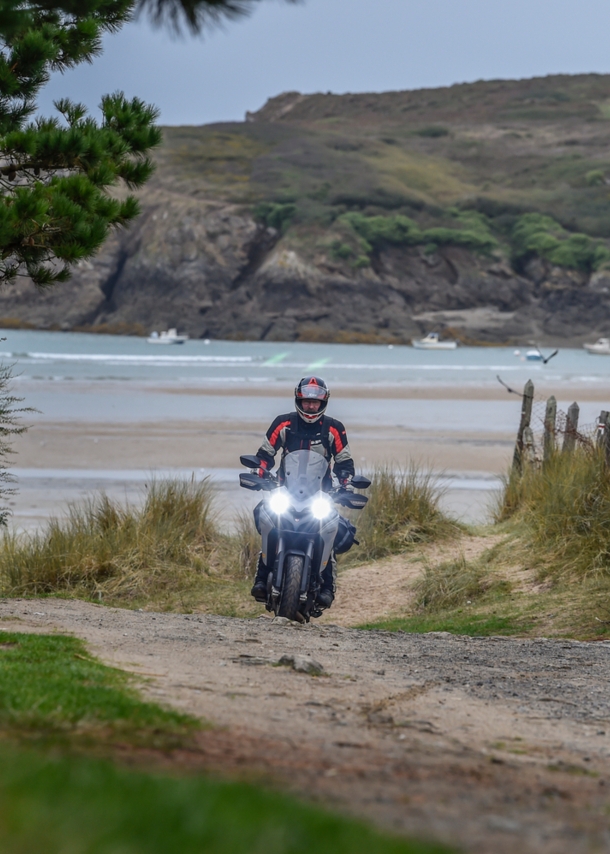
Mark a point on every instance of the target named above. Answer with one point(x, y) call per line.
point(273, 215)
point(167, 554)
point(377, 232)
point(550, 574)
point(563, 512)
point(54, 694)
point(58, 805)
point(402, 511)
point(537, 235)
point(51, 686)
point(57, 173)
point(454, 583)
point(467, 166)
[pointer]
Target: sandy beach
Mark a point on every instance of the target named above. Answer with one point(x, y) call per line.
point(108, 413)
point(115, 436)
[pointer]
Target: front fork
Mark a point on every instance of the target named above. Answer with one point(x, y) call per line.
point(278, 571)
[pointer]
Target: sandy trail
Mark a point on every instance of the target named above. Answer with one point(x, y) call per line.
point(493, 744)
point(384, 588)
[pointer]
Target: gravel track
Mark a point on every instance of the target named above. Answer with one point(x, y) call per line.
point(493, 744)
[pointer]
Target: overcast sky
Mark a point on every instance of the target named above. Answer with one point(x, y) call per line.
point(341, 46)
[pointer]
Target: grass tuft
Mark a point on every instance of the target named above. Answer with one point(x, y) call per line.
point(402, 511)
point(563, 511)
point(454, 583)
point(104, 550)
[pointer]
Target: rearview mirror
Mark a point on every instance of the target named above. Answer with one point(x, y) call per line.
point(359, 481)
point(249, 461)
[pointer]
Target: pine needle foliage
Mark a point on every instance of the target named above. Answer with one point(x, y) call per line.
point(57, 173)
point(197, 15)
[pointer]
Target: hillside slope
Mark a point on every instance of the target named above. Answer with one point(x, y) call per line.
point(481, 207)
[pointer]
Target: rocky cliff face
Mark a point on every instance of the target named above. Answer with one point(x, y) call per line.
point(199, 260)
point(212, 271)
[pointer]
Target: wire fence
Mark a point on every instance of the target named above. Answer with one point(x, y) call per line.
point(545, 429)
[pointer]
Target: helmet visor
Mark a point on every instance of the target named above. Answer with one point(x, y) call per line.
point(312, 391)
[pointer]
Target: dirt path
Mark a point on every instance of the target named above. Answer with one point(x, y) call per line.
point(383, 588)
point(494, 744)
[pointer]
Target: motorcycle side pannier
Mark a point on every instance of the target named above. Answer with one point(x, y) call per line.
point(346, 535)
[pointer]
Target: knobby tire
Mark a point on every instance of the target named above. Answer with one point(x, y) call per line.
point(291, 589)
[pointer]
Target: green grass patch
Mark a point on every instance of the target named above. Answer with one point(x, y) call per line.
point(51, 686)
point(458, 622)
point(77, 805)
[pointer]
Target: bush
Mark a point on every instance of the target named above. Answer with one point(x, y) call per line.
point(537, 234)
point(341, 251)
point(402, 510)
point(273, 215)
point(380, 231)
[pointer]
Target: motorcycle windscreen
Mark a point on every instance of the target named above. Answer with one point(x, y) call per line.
point(304, 472)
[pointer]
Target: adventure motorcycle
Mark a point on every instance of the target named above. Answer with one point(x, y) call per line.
point(299, 526)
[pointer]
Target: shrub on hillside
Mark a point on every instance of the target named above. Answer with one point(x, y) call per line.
point(537, 234)
point(472, 231)
point(273, 215)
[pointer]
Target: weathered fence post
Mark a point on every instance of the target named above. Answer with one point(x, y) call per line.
point(550, 418)
point(569, 439)
point(603, 436)
point(529, 447)
point(526, 415)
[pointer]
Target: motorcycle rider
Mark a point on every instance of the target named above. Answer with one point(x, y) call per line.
point(308, 428)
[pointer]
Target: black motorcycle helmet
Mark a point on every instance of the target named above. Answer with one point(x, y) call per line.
point(311, 388)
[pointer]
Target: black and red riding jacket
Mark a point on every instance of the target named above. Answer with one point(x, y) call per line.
point(327, 436)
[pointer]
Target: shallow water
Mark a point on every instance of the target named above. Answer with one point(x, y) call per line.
point(73, 356)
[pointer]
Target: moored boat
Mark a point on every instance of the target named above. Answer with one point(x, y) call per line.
point(600, 348)
point(432, 342)
point(167, 336)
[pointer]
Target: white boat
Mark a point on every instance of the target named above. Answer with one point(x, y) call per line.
point(432, 342)
point(534, 356)
point(168, 336)
point(600, 348)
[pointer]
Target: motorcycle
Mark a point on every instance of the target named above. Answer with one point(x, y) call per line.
point(299, 526)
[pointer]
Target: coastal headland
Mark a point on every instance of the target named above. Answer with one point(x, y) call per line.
point(479, 210)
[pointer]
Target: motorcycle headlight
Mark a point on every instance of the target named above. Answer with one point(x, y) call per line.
point(321, 507)
point(279, 502)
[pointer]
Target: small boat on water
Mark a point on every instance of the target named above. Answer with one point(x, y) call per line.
point(433, 342)
point(600, 348)
point(534, 356)
point(167, 336)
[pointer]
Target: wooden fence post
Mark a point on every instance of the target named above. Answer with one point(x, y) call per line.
point(603, 435)
point(550, 418)
point(569, 439)
point(529, 447)
point(526, 415)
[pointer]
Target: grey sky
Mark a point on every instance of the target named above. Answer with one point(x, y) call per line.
point(342, 46)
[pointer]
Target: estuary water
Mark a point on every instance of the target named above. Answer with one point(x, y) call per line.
point(110, 411)
point(65, 356)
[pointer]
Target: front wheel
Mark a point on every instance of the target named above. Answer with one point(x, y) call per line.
point(291, 588)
